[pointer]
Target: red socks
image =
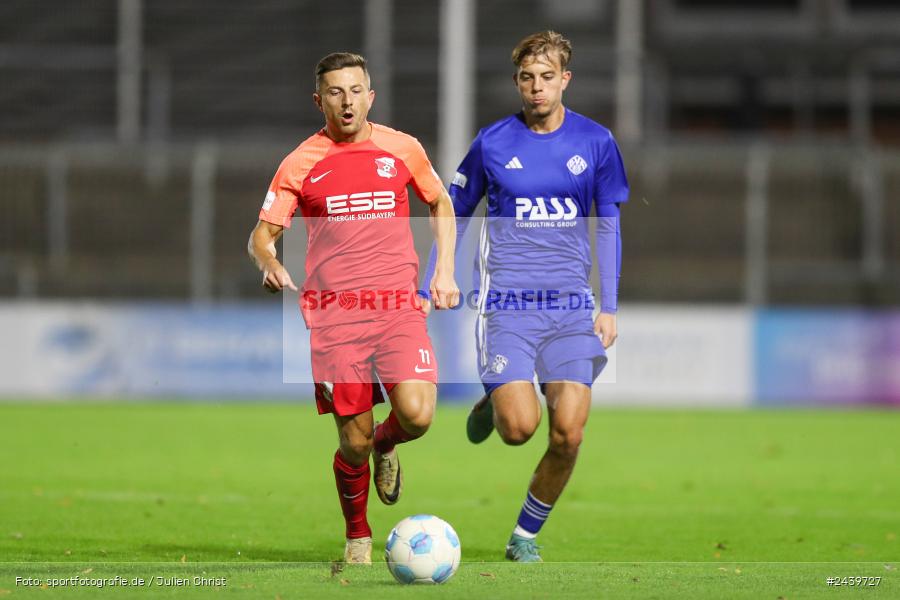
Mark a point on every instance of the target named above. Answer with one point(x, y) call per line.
point(353, 482)
point(389, 433)
point(353, 491)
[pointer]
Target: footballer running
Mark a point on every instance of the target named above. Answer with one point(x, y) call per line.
point(541, 170)
point(349, 182)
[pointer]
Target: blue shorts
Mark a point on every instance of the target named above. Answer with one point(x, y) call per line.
point(557, 345)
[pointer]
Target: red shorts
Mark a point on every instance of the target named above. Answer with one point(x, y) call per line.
point(348, 361)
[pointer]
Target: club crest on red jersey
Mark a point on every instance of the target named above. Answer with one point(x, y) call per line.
point(384, 166)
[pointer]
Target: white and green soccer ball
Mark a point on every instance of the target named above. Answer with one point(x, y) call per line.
point(422, 549)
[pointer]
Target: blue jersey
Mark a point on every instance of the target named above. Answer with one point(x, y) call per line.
point(539, 189)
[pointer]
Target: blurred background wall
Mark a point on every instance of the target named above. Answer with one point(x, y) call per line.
point(761, 138)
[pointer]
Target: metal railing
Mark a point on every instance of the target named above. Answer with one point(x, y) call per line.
point(180, 214)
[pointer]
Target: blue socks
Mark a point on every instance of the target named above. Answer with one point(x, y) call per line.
point(532, 517)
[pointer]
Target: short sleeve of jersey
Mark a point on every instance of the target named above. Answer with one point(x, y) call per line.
point(283, 196)
point(610, 182)
point(425, 181)
point(469, 182)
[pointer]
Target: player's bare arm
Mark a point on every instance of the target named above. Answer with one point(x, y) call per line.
point(443, 288)
point(605, 327)
point(261, 248)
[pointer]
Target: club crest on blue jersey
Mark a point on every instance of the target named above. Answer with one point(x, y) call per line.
point(577, 165)
point(499, 363)
point(384, 166)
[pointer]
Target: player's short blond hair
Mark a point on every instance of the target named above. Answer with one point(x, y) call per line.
point(543, 43)
point(337, 61)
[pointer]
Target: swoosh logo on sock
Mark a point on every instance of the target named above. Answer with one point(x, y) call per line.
point(353, 496)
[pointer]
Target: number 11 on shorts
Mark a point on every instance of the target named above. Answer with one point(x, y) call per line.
point(425, 356)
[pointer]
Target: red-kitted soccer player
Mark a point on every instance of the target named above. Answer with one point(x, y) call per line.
point(359, 299)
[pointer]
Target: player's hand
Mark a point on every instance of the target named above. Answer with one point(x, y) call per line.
point(444, 291)
point(605, 327)
point(425, 303)
point(276, 277)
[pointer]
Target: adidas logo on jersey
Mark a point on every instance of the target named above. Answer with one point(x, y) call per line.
point(515, 163)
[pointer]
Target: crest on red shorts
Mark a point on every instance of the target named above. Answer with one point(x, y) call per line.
point(384, 166)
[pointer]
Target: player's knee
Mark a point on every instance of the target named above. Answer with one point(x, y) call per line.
point(515, 429)
point(418, 424)
point(566, 441)
point(515, 433)
point(417, 417)
point(357, 449)
point(515, 437)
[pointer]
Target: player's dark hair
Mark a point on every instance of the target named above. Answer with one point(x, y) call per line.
point(337, 61)
point(541, 43)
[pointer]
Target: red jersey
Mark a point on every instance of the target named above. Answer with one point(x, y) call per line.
point(360, 259)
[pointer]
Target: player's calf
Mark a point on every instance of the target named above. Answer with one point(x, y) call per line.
point(353, 493)
point(352, 473)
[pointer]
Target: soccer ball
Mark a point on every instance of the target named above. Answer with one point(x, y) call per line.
point(422, 549)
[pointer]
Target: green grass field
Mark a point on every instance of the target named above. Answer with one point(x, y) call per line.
point(663, 504)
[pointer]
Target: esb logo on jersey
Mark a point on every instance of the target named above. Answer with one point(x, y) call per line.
point(360, 202)
point(541, 209)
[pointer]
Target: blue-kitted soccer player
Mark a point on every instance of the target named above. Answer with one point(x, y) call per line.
point(541, 170)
